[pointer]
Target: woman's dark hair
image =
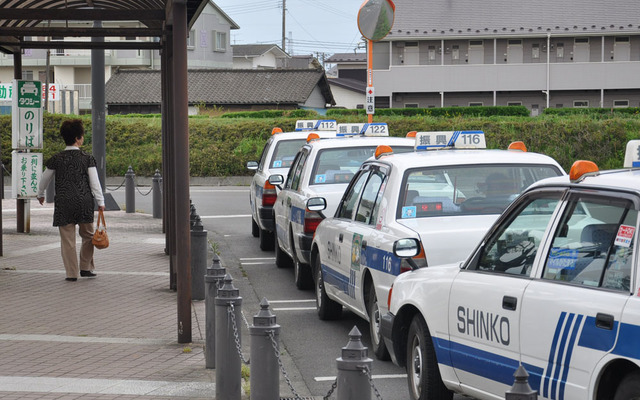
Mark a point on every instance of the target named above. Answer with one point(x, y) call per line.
point(71, 130)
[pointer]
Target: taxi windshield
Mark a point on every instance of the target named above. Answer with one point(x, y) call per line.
point(285, 152)
point(466, 190)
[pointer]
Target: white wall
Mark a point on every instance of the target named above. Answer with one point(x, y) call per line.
point(346, 98)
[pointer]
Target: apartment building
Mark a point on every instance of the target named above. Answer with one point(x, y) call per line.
point(544, 53)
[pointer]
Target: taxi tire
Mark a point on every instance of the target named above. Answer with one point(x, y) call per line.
point(301, 272)
point(266, 240)
point(420, 348)
point(327, 309)
point(282, 259)
point(255, 229)
point(629, 388)
point(379, 349)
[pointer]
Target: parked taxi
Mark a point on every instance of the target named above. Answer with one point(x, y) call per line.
point(277, 156)
point(553, 287)
point(321, 169)
point(446, 198)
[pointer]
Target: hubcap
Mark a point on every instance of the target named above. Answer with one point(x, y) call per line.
point(416, 366)
point(375, 323)
point(319, 290)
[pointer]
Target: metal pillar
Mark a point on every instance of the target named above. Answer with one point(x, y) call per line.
point(23, 210)
point(181, 157)
point(198, 259)
point(228, 372)
point(156, 182)
point(353, 382)
point(130, 191)
point(215, 274)
point(265, 379)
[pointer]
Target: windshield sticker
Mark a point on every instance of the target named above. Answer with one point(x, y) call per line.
point(560, 258)
point(624, 236)
point(321, 178)
point(408, 212)
point(277, 164)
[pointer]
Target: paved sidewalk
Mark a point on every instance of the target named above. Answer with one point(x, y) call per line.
point(109, 337)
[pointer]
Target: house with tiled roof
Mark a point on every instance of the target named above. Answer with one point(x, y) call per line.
point(253, 56)
point(544, 53)
point(138, 91)
point(349, 84)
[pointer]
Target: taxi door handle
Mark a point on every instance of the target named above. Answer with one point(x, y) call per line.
point(604, 321)
point(509, 303)
point(364, 244)
point(289, 202)
point(340, 237)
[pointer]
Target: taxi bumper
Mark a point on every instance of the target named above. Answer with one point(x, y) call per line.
point(303, 246)
point(386, 330)
point(266, 220)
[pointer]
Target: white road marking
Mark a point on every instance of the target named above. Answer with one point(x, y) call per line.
point(292, 301)
point(295, 309)
point(225, 216)
point(258, 258)
point(333, 378)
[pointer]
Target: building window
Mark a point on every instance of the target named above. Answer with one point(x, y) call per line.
point(514, 103)
point(580, 103)
point(191, 40)
point(560, 50)
point(455, 52)
point(410, 105)
point(535, 51)
point(27, 75)
point(620, 103)
point(359, 106)
point(219, 41)
point(475, 104)
point(581, 40)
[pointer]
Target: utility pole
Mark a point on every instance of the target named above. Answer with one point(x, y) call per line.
point(284, 10)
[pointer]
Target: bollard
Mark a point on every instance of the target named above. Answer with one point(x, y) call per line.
point(156, 184)
point(215, 275)
point(521, 389)
point(198, 259)
point(192, 214)
point(50, 192)
point(130, 191)
point(228, 371)
point(353, 381)
point(265, 383)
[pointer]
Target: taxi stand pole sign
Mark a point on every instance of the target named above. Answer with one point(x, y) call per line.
point(27, 135)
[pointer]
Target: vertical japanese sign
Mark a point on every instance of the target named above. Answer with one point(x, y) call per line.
point(26, 170)
point(27, 115)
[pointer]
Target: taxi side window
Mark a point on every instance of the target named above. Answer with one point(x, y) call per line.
point(293, 179)
point(593, 244)
point(350, 198)
point(263, 156)
point(368, 200)
point(512, 249)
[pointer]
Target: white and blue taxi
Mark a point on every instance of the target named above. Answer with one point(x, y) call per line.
point(277, 156)
point(553, 287)
point(446, 198)
point(320, 169)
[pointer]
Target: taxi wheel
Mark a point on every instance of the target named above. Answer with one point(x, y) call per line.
point(282, 259)
point(377, 343)
point(629, 388)
point(423, 374)
point(266, 240)
point(255, 229)
point(327, 308)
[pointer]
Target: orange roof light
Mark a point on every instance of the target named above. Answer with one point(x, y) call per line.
point(382, 150)
point(582, 168)
point(412, 134)
point(312, 136)
point(276, 130)
point(518, 146)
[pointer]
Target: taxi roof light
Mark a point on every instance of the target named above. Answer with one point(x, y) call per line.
point(581, 169)
point(312, 137)
point(383, 150)
point(412, 134)
point(276, 130)
point(518, 145)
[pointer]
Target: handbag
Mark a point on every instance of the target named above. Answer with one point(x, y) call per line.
point(100, 238)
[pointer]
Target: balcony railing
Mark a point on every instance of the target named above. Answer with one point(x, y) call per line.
point(84, 90)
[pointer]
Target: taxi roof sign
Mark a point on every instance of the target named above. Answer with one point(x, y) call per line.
point(316, 125)
point(450, 139)
point(632, 154)
point(364, 129)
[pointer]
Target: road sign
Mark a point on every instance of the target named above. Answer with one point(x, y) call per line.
point(370, 102)
point(26, 115)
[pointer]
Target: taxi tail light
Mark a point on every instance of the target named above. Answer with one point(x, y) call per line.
point(582, 168)
point(311, 222)
point(420, 260)
point(269, 195)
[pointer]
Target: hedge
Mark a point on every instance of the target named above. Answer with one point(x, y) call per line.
point(477, 111)
point(595, 112)
point(222, 146)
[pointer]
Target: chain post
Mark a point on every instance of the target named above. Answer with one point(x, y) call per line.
point(265, 384)
point(228, 370)
point(353, 383)
point(214, 277)
point(199, 250)
point(156, 186)
point(130, 191)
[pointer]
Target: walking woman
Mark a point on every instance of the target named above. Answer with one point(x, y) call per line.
point(76, 187)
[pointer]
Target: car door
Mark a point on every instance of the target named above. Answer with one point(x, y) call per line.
point(486, 297)
point(339, 282)
point(282, 207)
point(571, 316)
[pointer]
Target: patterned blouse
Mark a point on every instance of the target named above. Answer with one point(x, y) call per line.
point(74, 202)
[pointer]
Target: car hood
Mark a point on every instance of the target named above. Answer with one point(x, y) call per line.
point(450, 239)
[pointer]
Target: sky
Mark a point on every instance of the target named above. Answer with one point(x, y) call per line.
point(314, 26)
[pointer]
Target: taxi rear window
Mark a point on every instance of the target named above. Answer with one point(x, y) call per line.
point(466, 190)
point(285, 151)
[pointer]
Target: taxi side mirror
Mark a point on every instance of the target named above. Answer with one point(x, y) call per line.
point(406, 249)
point(252, 165)
point(276, 180)
point(316, 204)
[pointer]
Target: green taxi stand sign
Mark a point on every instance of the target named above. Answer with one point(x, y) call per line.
point(26, 115)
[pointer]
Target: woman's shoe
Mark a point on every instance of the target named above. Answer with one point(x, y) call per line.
point(71, 279)
point(88, 274)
